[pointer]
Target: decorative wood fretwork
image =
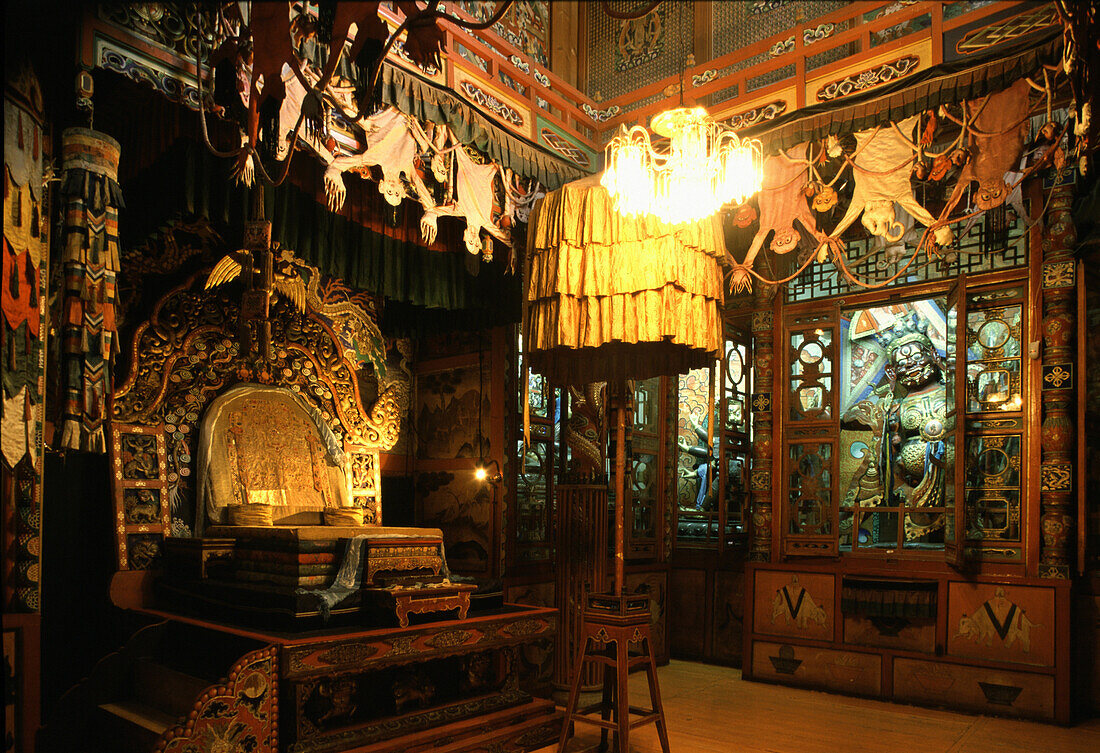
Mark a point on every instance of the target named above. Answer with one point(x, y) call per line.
point(328, 655)
point(867, 79)
point(366, 482)
point(1058, 433)
point(760, 478)
point(177, 355)
point(239, 714)
point(142, 517)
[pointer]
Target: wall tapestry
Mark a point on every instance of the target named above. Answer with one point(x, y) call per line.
point(23, 294)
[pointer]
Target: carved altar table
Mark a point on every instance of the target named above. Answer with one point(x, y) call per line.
point(448, 686)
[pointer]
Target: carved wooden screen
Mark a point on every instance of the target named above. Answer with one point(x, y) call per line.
point(810, 510)
point(995, 474)
point(139, 464)
point(734, 448)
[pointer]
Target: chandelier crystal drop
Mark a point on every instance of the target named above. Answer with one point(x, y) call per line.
point(706, 166)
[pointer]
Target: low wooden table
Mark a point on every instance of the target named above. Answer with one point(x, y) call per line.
point(441, 687)
point(422, 599)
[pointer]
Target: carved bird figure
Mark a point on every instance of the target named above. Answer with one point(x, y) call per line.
point(286, 280)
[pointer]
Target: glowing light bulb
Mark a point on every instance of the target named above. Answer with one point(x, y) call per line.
point(705, 167)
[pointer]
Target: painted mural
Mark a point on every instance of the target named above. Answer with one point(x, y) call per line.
point(463, 508)
point(526, 25)
point(447, 422)
point(696, 487)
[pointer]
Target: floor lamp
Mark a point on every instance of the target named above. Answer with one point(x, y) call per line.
point(608, 299)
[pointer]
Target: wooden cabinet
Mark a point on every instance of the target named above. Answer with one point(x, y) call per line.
point(989, 645)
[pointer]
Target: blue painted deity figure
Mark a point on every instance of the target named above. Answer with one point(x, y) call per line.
point(706, 462)
point(908, 457)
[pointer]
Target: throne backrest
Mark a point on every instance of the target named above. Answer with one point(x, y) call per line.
point(186, 361)
point(263, 445)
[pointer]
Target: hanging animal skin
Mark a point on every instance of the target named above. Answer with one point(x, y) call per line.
point(393, 140)
point(474, 202)
point(881, 179)
point(289, 112)
point(782, 201)
point(269, 28)
point(364, 17)
point(997, 128)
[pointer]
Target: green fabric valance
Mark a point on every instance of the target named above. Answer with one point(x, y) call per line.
point(357, 245)
point(425, 101)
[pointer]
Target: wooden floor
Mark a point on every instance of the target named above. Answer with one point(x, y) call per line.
point(712, 710)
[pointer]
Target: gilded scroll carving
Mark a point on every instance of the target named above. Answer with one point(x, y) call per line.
point(187, 353)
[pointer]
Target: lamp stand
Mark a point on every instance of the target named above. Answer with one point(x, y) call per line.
point(611, 623)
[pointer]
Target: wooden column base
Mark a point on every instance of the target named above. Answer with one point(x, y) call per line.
point(611, 624)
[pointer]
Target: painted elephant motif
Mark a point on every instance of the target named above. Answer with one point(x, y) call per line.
point(998, 618)
point(793, 603)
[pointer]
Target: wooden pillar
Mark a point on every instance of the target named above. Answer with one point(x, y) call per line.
point(581, 569)
point(760, 477)
point(1058, 433)
point(565, 40)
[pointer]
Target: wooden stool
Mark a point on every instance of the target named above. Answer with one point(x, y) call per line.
point(617, 620)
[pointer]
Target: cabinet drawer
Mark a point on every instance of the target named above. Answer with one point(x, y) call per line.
point(843, 671)
point(991, 691)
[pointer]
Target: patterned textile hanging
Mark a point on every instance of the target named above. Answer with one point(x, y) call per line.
point(92, 198)
point(24, 251)
point(23, 268)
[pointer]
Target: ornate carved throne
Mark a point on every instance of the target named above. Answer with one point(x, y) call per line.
point(207, 434)
point(272, 456)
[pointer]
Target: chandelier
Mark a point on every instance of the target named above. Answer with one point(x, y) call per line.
point(705, 167)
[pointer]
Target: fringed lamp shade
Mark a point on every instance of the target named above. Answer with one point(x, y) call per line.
point(612, 297)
